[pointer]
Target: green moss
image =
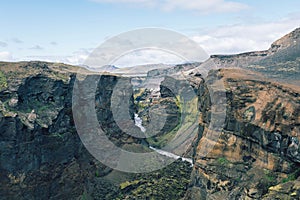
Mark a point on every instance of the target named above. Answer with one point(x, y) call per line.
point(97, 174)
point(270, 176)
point(3, 81)
point(127, 184)
point(43, 108)
point(139, 93)
point(178, 102)
point(163, 140)
point(188, 116)
point(84, 196)
point(39, 107)
point(142, 105)
point(291, 177)
point(168, 183)
point(57, 135)
point(267, 180)
point(223, 161)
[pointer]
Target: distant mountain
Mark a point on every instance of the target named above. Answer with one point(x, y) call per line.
point(281, 61)
point(172, 70)
point(140, 70)
point(106, 68)
point(284, 63)
point(287, 41)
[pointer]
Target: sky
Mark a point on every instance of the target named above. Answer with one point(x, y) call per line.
point(68, 31)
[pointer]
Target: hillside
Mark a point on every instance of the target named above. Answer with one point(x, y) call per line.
point(280, 61)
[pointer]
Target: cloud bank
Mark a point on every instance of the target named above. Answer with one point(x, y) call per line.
point(243, 38)
point(6, 56)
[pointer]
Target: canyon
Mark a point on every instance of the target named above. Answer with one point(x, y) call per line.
point(242, 120)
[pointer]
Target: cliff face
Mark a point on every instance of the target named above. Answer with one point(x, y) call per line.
point(41, 154)
point(35, 113)
point(259, 145)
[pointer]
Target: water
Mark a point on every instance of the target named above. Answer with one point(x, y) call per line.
point(138, 122)
point(171, 155)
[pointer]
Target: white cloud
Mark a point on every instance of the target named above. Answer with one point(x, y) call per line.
point(6, 56)
point(221, 40)
point(147, 56)
point(134, 58)
point(77, 58)
point(243, 38)
point(201, 6)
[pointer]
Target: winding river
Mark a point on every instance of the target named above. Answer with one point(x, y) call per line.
point(138, 122)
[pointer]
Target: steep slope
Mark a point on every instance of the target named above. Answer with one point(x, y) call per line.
point(258, 146)
point(287, 41)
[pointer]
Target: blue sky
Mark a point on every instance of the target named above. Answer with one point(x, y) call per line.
point(67, 31)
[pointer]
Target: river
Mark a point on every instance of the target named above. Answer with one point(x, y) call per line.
point(138, 122)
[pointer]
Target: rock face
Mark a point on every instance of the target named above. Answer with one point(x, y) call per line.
point(258, 146)
point(41, 154)
point(39, 142)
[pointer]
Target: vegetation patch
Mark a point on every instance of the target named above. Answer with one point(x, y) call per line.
point(3, 81)
point(291, 177)
point(168, 183)
point(223, 161)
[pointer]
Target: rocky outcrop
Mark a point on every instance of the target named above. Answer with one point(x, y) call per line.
point(287, 41)
point(259, 144)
